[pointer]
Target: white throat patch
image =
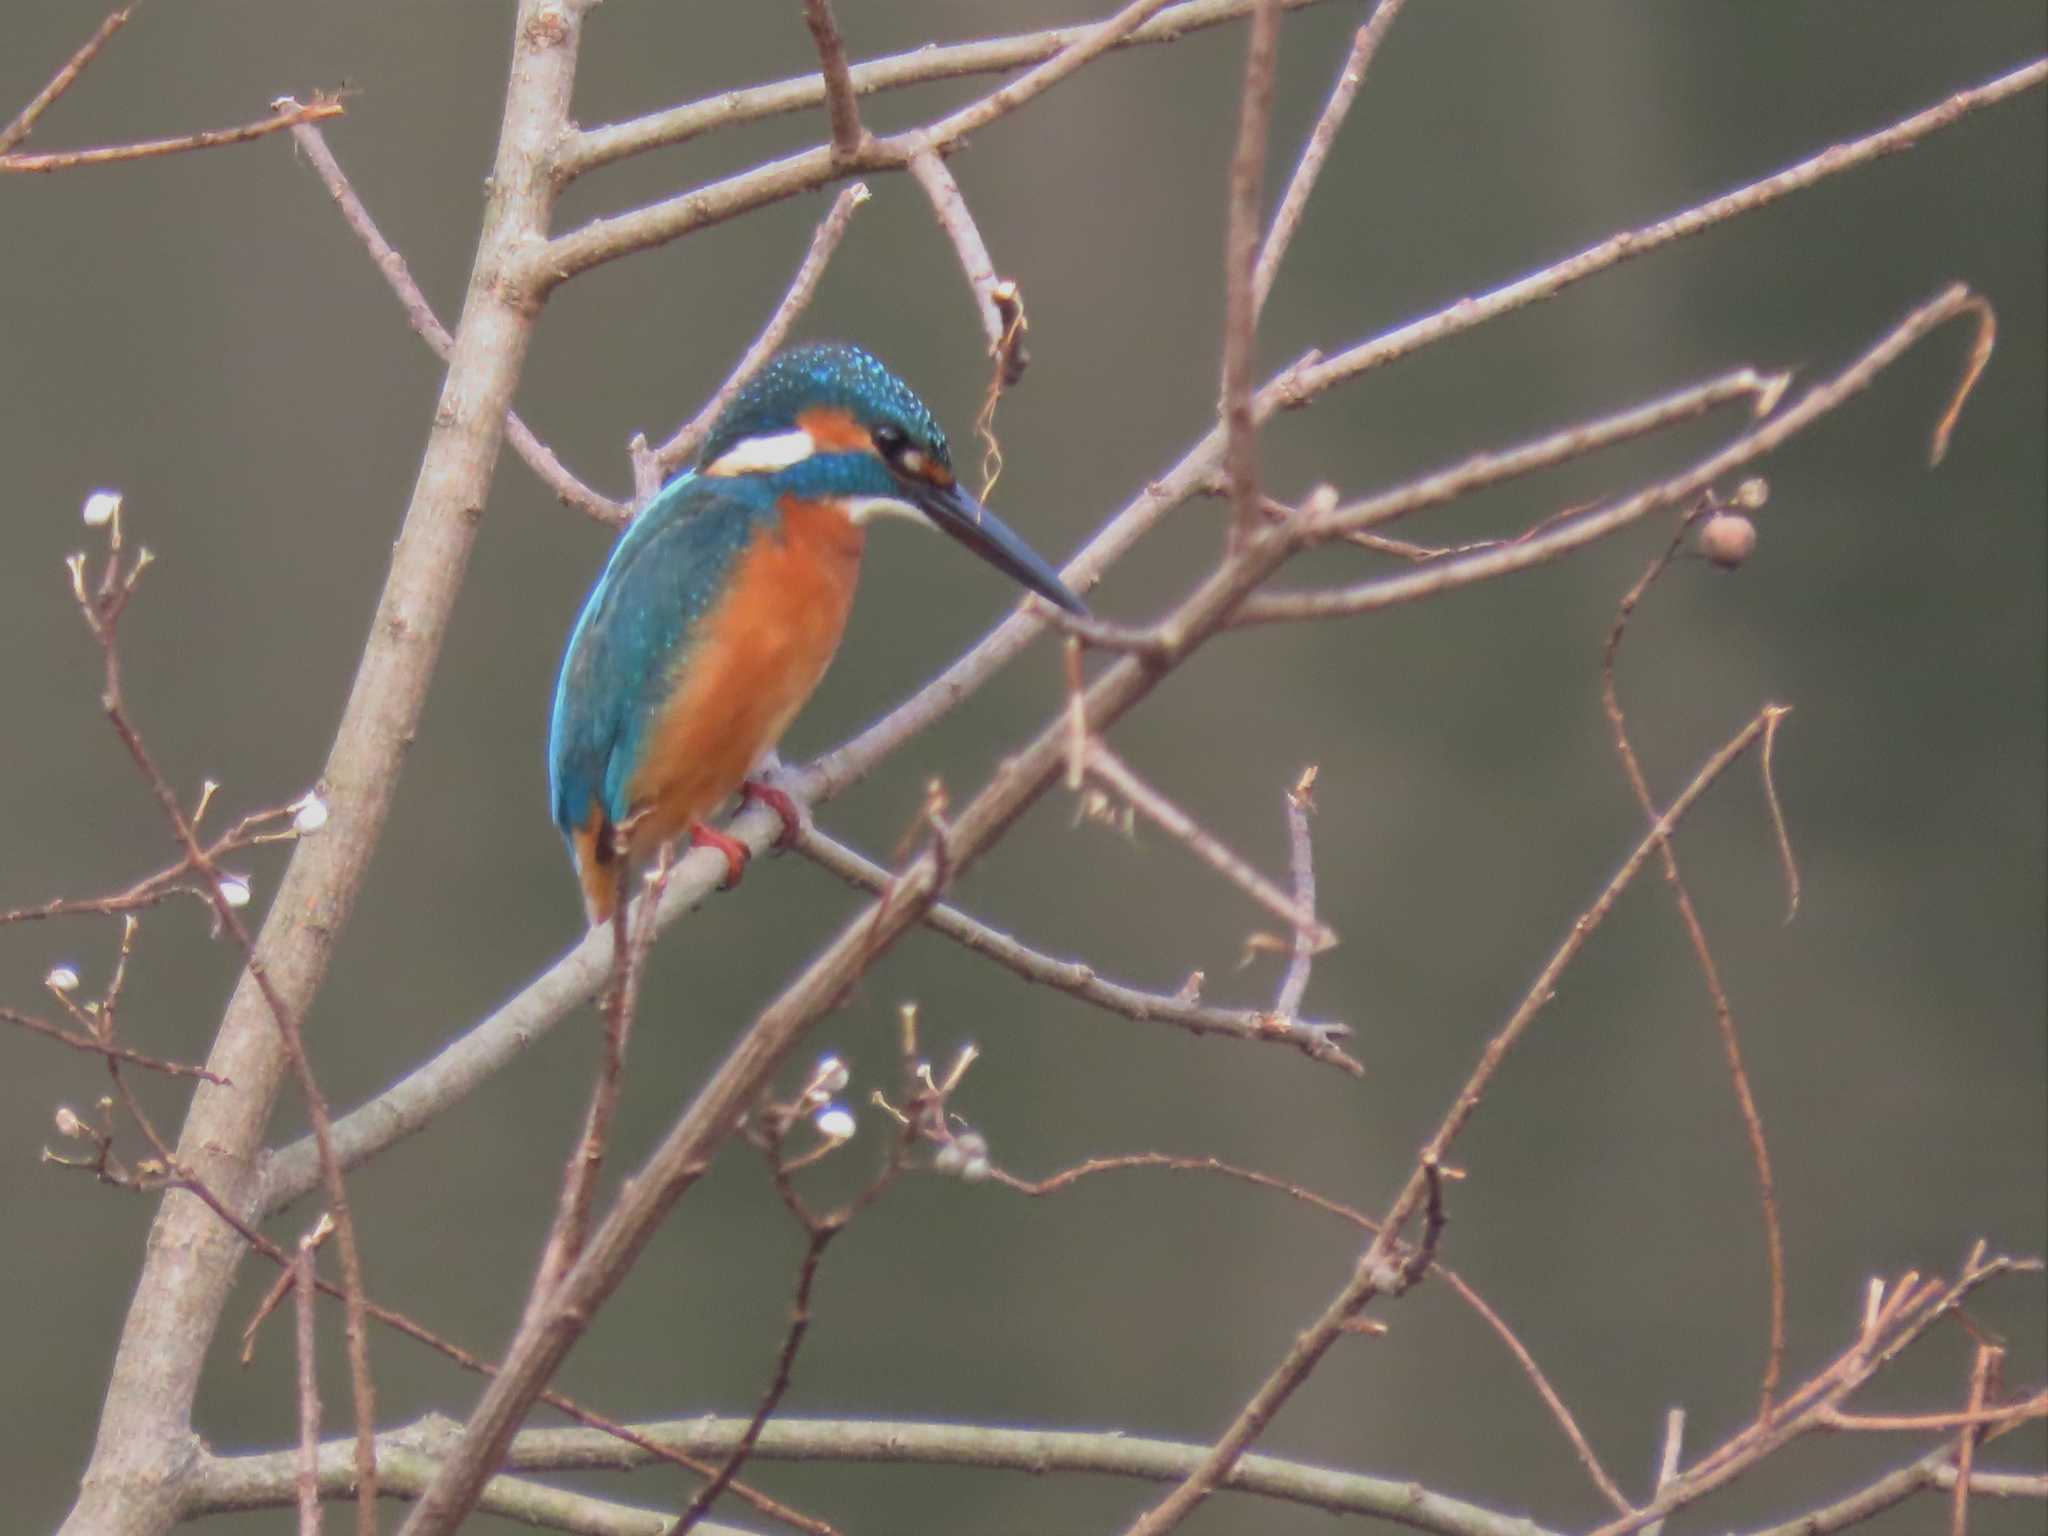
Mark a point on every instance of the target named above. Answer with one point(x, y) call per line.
point(860, 509)
point(763, 455)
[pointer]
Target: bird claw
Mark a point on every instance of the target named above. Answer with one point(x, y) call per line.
point(736, 852)
point(778, 801)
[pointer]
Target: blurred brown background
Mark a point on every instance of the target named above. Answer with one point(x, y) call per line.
point(204, 334)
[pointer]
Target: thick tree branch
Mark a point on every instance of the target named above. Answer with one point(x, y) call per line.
point(263, 1482)
point(145, 1439)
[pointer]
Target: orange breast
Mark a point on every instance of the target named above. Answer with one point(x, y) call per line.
point(753, 662)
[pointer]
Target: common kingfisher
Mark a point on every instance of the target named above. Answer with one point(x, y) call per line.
point(724, 600)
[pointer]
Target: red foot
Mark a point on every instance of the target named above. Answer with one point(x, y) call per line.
point(735, 851)
point(780, 803)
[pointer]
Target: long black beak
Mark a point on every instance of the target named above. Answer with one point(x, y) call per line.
point(955, 512)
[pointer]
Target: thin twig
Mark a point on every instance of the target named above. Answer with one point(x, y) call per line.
point(102, 607)
point(1667, 1460)
point(1369, 1277)
point(309, 1390)
point(1301, 865)
point(1930, 1473)
point(85, 1043)
point(419, 314)
point(589, 149)
point(1555, 1404)
point(632, 931)
point(25, 120)
point(840, 104)
point(949, 207)
point(253, 830)
point(399, 1323)
point(1105, 765)
point(1318, 1041)
point(1240, 254)
point(1311, 376)
point(688, 438)
point(778, 1384)
point(1443, 576)
point(1294, 201)
point(1912, 1308)
point(1984, 1363)
point(1973, 368)
point(288, 114)
point(608, 239)
point(1786, 859)
point(1703, 955)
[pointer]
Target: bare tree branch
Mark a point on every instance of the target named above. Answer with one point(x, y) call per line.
point(840, 103)
point(1696, 933)
point(287, 114)
point(592, 148)
point(24, 121)
point(1240, 255)
point(1372, 1275)
point(1176, 823)
point(252, 1482)
point(144, 1430)
point(950, 208)
point(650, 471)
point(1310, 376)
point(608, 239)
point(1316, 1041)
point(419, 314)
point(1294, 201)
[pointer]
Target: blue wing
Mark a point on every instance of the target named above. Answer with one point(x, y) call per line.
point(667, 570)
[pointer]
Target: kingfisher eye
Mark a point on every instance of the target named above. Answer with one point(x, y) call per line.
point(891, 441)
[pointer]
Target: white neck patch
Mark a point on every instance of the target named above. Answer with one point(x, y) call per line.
point(860, 509)
point(763, 455)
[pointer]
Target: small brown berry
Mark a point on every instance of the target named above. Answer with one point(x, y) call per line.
point(1727, 539)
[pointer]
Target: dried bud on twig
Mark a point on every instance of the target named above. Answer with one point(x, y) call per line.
point(1727, 539)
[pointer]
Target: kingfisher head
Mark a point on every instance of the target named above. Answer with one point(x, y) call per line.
point(827, 422)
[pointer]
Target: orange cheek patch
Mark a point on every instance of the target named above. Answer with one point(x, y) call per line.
point(834, 430)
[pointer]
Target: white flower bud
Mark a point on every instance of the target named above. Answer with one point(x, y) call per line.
point(834, 1122)
point(61, 979)
point(68, 1123)
point(949, 1158)
point(831, 1076)
point(234, 890)
point(974, 1170)
point(100, 508)
point(309, 814)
